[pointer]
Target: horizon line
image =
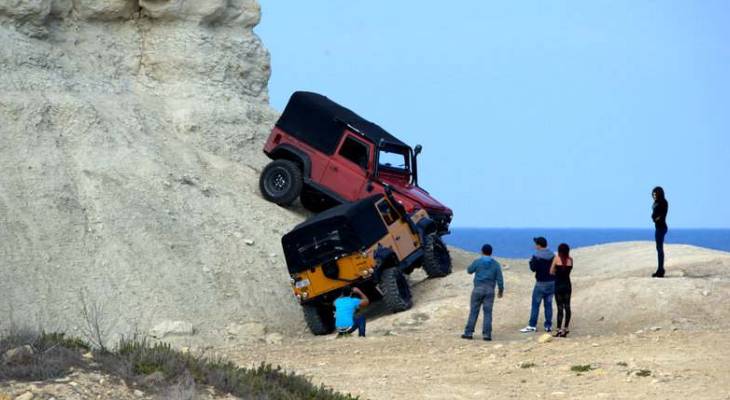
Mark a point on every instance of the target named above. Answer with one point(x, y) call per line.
point(588, 227)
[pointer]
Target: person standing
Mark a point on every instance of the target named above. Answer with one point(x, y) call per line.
point(345, 308)
point(659, 216)
point(487, 273)
point(561, 268)
point(544, 285)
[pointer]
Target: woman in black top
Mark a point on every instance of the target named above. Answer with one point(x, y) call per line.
point(561, 267)
point(659, 216)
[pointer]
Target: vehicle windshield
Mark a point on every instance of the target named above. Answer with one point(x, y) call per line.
point(395, 162)
point(321, 247)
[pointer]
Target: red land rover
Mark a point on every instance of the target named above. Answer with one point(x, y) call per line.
point(326, 155)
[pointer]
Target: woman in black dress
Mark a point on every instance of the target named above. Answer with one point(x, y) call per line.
point(659, 216)
point(561, 267)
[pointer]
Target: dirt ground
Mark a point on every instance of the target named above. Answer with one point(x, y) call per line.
point(86, 385)
point(639, 337)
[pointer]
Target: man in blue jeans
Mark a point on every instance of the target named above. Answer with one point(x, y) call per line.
point(544, 286)
point(345, 308)
point(487, 273)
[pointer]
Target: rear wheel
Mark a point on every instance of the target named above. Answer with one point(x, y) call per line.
point(320, 319)
point(436, 257)
point(281, 182)
point(396, 291)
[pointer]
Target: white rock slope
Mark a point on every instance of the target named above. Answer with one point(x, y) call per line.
point(130, 136)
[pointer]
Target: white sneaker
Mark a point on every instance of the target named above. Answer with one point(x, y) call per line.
point(528, 329)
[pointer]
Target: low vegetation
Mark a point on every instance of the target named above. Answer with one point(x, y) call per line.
point(581, 368)
point(643, 372)
point(30, 356)
point(39, 356)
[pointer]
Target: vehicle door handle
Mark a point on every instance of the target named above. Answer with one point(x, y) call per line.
point(334, 168)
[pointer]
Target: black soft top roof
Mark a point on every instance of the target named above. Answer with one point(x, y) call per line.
point(357, 213)
point(319, 121)
point(359, 226)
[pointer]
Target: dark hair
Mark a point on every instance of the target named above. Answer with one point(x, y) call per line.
point(659, 191)
point(487, 249)
point(540, 241)
point(564, 253)
point(346, 291)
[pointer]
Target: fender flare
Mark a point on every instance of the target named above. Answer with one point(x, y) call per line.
point(291, 153)
point(426, 226)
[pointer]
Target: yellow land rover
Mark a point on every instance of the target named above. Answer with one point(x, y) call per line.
point(370, 244)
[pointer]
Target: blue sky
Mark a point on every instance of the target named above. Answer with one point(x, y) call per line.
point(531, 114)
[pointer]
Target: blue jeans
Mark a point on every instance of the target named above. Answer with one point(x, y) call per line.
point(359, 325)
point(543, 292)
point(481, 296)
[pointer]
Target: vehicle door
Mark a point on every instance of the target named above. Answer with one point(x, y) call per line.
point(347, 171)
point(403, 238)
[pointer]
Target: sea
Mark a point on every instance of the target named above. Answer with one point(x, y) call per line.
point(517, 242)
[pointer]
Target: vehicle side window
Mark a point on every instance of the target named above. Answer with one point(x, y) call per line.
point(355, 151)
point(388, 213)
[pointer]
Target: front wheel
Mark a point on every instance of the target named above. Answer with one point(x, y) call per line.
point(281, 182)
point(436, 257)
point(396, 291)
point(320, 319)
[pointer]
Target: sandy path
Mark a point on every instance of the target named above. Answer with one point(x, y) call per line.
point(695, 365)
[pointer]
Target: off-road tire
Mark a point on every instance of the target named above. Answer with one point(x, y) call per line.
point(314, 202)
point(396, 291)
point(436, 257)
point(320, 319)
point(281, 182)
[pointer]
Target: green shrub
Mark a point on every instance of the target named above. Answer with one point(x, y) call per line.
point(49, 340)
point(581, 368)
point(143, 358)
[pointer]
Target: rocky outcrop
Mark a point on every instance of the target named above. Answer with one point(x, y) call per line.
point(130, 139)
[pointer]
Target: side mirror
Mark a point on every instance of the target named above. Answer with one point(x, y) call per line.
point(369, 187)
point(417, 150)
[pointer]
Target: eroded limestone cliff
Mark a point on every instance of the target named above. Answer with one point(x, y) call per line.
point(130, 138)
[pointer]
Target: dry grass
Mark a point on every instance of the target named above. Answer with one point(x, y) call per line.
point(49, 356)
point(135, 360)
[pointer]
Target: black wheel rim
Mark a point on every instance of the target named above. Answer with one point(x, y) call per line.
point(278, 181)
